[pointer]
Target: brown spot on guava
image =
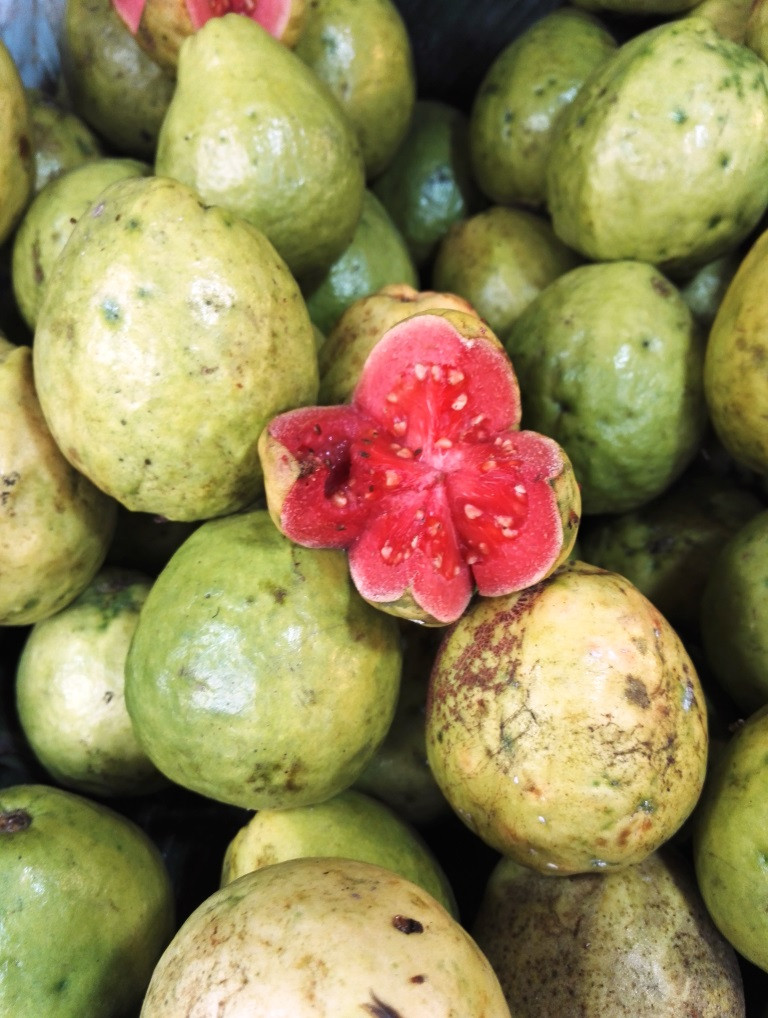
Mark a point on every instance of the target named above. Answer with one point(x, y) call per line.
point(14, 820)
point(405, 924)
point(379, 1009)
point(635, 692)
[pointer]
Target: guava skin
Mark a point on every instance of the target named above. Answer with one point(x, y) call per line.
point(257, 675)
point(169, 334)
point(673, 176)
point(566, 724)
point(351, 824)
point(637, 943)
point(729, 840)
point(113, 85)
point(55, 525)
point(69, 690)
point(17, 165)
point(88, 906)
point(318, 936)
point(287, 159)
point(61, 140)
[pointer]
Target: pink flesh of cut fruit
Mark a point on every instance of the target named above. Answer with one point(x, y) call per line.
point(424, 476)
point(272, 15)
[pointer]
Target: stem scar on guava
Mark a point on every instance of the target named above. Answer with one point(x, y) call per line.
point(425, 477)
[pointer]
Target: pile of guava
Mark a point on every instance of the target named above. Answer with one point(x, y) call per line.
point(384, 509)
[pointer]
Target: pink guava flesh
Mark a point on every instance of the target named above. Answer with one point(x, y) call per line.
point(424, 476)
point(272, 15)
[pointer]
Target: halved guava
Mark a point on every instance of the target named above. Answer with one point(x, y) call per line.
point(424, 476)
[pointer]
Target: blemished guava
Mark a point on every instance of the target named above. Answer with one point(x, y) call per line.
point(673, 175)
point(252, 128)
point(729, 849)
point(566, 723)
point(55, 525)
point(521, 95)
point(48, 222)
point(170, 333)
point(257, 675)
point(323, 936)
point(361, 49)
point(69, 690)
point(609, 360)
point(637, 943)
point(88, 906)
point(349, 825)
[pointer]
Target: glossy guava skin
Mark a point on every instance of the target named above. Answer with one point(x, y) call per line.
point(566, 723)
point(55, 525)
point(287, 159)
point(257, 675)
point(170, 332)
point(87, 906)
point(323, 936)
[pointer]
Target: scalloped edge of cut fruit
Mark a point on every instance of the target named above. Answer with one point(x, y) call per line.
point(424, 477)
point(161, 26)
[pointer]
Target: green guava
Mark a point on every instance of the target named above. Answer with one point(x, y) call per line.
point(609, 360)
point(660, 155)
point(499, 260)
point(60, 139)
point(48, 222)
point(252, 128)
point(362, 51)
point(55, 526)
point(729, 843)
point(112, 84)
point(170, 333)
point(428, 184)
point(257, 675)
point(87, 906)
point(69, 690)
point(520, 97)
point(666, 547)
point(350, 825)
point(734, 614)
point(377, 256)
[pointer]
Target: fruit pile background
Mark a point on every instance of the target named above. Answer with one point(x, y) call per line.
point(606, 312)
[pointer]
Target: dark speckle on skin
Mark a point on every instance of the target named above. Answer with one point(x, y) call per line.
point(635, 692)
point(379, 1009)
point(405, 924)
